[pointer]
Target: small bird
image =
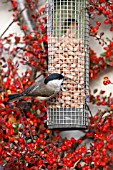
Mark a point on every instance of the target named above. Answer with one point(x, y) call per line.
point(41, 90)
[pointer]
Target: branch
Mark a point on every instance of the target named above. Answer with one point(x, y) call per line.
point(14, 20)
point(73, 168)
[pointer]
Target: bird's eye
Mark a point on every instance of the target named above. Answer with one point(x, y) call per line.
point(62, 84)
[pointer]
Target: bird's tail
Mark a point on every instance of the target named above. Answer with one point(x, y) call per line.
point(14, 97)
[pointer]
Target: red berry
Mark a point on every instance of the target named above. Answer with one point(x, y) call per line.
point(98, 23)
point(106, 21)
point(24, 27)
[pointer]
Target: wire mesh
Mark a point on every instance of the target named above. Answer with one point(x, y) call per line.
point(67, 29)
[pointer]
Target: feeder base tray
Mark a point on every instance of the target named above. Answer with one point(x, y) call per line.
point(67, 118)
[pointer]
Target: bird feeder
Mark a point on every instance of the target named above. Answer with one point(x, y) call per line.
point(68, 32)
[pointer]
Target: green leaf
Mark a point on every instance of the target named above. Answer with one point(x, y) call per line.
point(4, 161)
point(11, 145)
point(108, 39)
point(105, 97)
point(20, 125)
point(28, 140)
point(107, 62)
point(32, 111)
point(15, 125)
point(15, 130)
point(38, 147)
point(103, 54)
point(35, 137)
point(105, 141)
point(26, 163)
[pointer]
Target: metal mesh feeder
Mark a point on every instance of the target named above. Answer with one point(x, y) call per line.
point(67, 29)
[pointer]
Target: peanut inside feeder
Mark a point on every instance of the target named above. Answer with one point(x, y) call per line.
point(67, 56)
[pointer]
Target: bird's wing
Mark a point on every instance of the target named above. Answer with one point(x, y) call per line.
point(41, 90)
point(38, 89)
point(31, 88)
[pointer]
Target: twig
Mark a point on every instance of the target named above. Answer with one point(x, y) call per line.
point(89, 110)
point(14, 20)
point(1, 83)
point(28, 123)
point(23, 49)
point(10, 109)
point(30, 133)
point(73, 168)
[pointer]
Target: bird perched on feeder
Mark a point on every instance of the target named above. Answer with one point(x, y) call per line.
point(42, 90)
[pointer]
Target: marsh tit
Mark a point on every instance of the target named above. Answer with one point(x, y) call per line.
point(43, 89)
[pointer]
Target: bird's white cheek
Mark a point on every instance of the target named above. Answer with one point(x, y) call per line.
point(55, 85)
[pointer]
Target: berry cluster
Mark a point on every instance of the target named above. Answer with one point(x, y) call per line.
point(99, 64)
point(106, 81)
point(98, 7)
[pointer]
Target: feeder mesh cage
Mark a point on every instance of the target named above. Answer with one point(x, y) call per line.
point(68, 32)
